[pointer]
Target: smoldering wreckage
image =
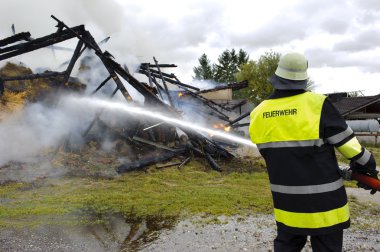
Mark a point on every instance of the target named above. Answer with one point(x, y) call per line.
point(155, 141)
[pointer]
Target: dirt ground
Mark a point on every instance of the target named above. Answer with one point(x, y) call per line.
point(255, 233)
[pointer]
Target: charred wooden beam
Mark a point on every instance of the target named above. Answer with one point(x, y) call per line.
point(143, 162)
point(142, 89)
point(160, 65)
point(157, 72)
point(74, 58)
point(243, 102)
point(101, 84)
point(240, 118)
point(178, 83)
point(149, 76)
point(160, 90)
point(240, 125)
point(42, 42)
point(105, 58)
point(212, 163)
point(210, 104)
point(157, 145)
point(15, 38)
point(163, 82)
point(113, 67)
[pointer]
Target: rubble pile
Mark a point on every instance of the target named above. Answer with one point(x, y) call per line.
point(138, 142)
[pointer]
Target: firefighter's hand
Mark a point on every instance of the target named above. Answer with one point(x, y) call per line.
point(365, 187)
point(345, 173)
point(372, 174)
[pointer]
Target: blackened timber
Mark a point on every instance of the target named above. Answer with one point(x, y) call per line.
point(145, 161)
point(34, 76)
point(159, 88)
point(208, 103)
point(149, 76)
point(90, 42)
point(143, 71)
point(157, 72)
point(148, 94)
point(101, 84)
point(141, 140)
point(163, 82)
point(240, 125)
point(240, 118)
point(195, 150)
point(243, 102)
point(160, 65)
point(74, 58)
point(42, 42)
point(167, 78)
point(212, 162)
point(108, 63)
point(115, 91)
point(15, 38)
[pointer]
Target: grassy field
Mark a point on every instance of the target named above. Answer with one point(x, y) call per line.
point(160, 193)
point(194, 190)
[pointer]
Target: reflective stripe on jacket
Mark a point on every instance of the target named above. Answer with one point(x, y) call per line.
point(308, 193)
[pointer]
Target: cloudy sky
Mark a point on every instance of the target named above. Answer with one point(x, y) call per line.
point(340, 38)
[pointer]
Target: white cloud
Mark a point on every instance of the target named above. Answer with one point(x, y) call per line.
point(333, 34)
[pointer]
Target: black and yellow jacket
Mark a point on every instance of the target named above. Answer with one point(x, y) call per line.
point(296, 132)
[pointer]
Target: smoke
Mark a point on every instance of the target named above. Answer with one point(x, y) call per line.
point(27, 133)
point(205, 84)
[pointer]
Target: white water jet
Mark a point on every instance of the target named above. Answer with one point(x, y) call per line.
point(130, 108)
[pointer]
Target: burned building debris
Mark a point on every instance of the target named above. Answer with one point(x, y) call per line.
point(154, 140)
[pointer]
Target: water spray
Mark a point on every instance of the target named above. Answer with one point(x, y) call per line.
point(129, 108)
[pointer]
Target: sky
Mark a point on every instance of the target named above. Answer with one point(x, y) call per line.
point(340, 38)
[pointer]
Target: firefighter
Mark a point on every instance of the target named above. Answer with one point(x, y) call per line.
point(296, 131)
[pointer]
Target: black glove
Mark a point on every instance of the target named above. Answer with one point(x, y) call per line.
point(365, 187)
point(372, 174)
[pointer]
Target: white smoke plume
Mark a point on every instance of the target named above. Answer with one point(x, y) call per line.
point(27, 133)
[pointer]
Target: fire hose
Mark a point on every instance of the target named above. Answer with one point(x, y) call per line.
point(371, 182)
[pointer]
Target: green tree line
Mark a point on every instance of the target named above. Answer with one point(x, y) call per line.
point(235, 66)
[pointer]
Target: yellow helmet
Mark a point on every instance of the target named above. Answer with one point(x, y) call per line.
point(292, 66)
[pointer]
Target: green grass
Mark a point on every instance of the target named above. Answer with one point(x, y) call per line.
point(161, 193)
point(165, 193)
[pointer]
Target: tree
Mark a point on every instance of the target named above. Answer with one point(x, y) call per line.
point(225, 70)
point(258, 73)
point(204, 71)
point(228, 66)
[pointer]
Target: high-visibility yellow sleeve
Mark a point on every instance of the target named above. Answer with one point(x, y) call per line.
point(351, 148)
